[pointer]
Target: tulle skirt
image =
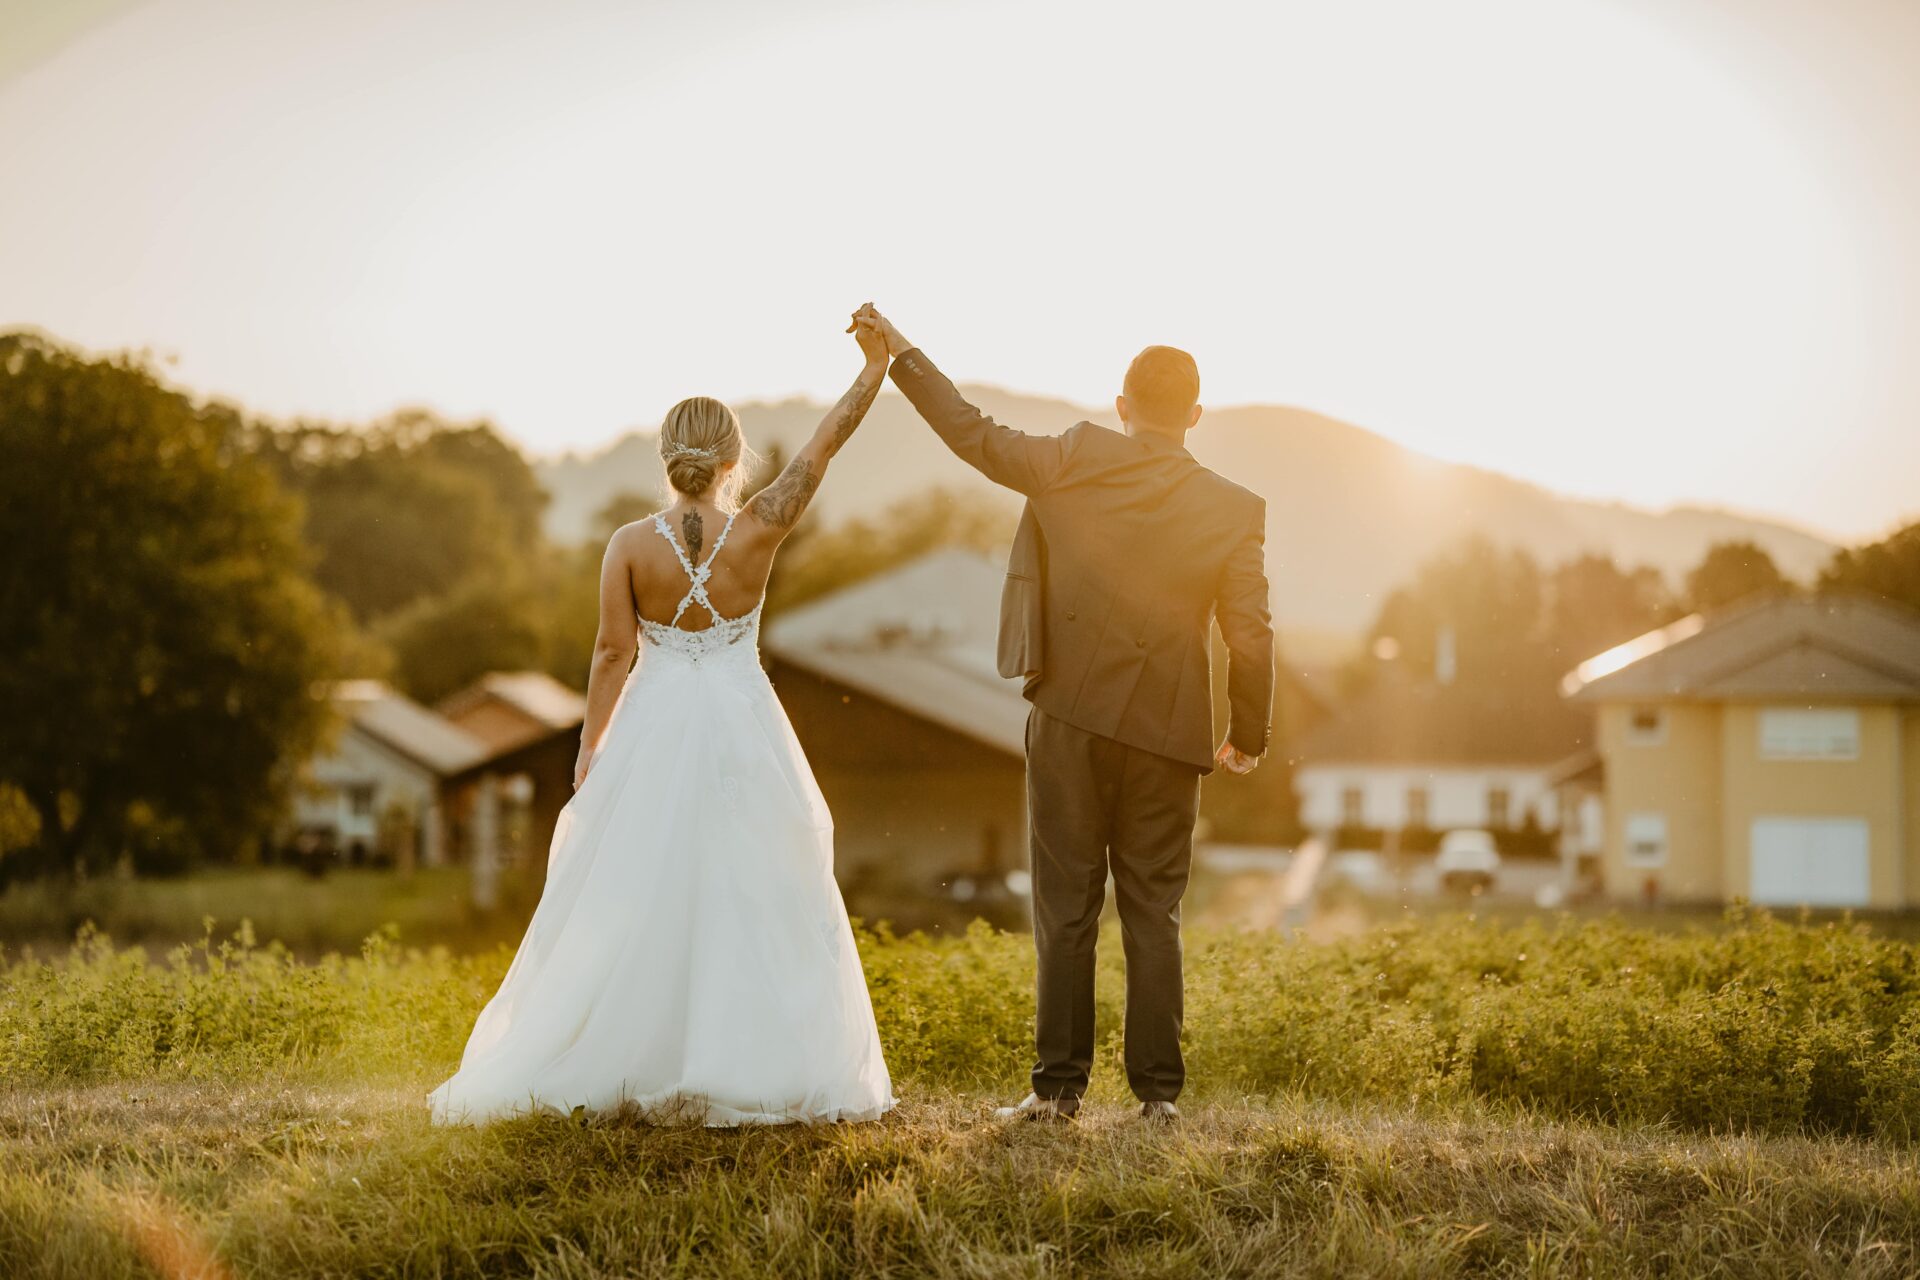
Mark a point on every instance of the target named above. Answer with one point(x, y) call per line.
point(690, 955)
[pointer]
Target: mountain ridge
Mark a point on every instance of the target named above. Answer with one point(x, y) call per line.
point(1350, 513)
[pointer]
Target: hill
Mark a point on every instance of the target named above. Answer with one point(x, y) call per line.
point(1350, 513)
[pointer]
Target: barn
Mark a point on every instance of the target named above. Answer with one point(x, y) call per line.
point(918, 743)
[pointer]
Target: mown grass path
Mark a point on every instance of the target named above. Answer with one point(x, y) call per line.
point(287, 1180)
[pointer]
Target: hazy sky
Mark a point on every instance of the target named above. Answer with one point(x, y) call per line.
point(1655, 250)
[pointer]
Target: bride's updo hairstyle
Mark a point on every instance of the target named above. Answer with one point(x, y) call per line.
point(699, 437)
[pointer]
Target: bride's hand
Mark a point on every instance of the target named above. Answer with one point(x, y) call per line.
point(873, 343)
point(896, 341)
point(581, 765)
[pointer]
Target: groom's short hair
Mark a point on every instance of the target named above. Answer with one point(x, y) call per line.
point(1163, 385)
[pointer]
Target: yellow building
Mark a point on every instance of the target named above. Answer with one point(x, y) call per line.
point(1771, 753)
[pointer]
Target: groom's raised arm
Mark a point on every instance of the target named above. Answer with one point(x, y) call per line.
point(1015, 459)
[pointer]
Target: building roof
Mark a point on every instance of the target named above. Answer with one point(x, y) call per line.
point(546, 705)
point(1401, 720)
point(1819, 648)
point(403, 725)
point(1583, 769)
point(921, 638)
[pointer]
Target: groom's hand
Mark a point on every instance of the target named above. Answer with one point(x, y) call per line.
point(895, 340)
point(1234, 760)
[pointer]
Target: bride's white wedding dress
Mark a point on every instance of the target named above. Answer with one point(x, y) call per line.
point(690, 953)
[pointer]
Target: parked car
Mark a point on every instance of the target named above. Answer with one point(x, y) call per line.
point(1467, 861)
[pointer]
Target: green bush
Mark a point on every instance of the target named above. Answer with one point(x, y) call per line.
point(1762, 1025)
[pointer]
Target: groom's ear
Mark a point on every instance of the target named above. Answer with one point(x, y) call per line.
point(1120, 407)
point(1194, 421)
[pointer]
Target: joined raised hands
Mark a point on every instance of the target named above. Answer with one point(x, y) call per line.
point(873, 342)
point(868, 318)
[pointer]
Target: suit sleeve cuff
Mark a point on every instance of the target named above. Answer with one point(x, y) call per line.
point(911, 363)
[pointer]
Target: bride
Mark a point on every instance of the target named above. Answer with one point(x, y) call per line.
point(690, 954)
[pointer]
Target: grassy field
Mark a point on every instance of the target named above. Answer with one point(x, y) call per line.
point(275, 1180)
point(1452, 1097)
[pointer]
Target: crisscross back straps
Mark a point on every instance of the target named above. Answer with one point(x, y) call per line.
point(696, 577)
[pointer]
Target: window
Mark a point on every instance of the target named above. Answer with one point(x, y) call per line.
point(1646, 726)
point(360, 800)
point(1810, 733)
point(1499, 807)
point(1352, 807)
point(1417, 806)
point(1646, 839)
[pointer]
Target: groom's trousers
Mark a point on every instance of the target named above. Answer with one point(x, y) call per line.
point(1097, 805)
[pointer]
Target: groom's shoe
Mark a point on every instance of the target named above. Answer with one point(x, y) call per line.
point(1159, 1112)
point(1038, 1108)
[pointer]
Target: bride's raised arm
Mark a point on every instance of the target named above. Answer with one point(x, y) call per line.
point(779, 506)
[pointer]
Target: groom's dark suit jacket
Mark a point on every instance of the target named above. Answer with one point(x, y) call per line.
point(1127, 552)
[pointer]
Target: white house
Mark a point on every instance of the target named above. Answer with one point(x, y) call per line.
point(384, 781)
point(1420, 756)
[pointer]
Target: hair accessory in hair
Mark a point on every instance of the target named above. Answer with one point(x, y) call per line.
point(687, 451)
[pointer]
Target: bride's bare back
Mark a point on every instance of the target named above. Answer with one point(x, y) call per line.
point(657, 582)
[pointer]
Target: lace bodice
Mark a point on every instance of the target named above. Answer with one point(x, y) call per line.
point(726, 633)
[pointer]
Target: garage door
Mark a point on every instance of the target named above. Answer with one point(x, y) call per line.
point(1816, 862)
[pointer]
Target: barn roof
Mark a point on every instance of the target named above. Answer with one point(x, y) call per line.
point(534, 694)
point(403, 725)
point(921, 638)
point(1824, 647)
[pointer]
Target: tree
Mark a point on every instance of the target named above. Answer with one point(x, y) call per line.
point(409, 508)
point(1889, 568)
point(1593, 604)
point(446, 642)
point(1486, 600)
point(1732, 572)
point(1510, 623)
point(159, 638)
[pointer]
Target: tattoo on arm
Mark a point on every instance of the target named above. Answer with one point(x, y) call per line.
point(782, 503)
point(691, 526)
point(852, 408)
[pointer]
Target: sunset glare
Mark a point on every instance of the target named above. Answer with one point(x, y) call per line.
point(1589, 242)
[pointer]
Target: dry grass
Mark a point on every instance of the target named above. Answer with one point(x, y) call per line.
point(286, 1180)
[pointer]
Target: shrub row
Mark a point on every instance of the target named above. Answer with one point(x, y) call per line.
point(1760, 1024)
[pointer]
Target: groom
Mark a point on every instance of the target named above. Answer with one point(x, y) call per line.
point(1128, 551)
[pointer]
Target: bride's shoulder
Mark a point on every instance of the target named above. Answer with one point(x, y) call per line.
point(635, 535)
